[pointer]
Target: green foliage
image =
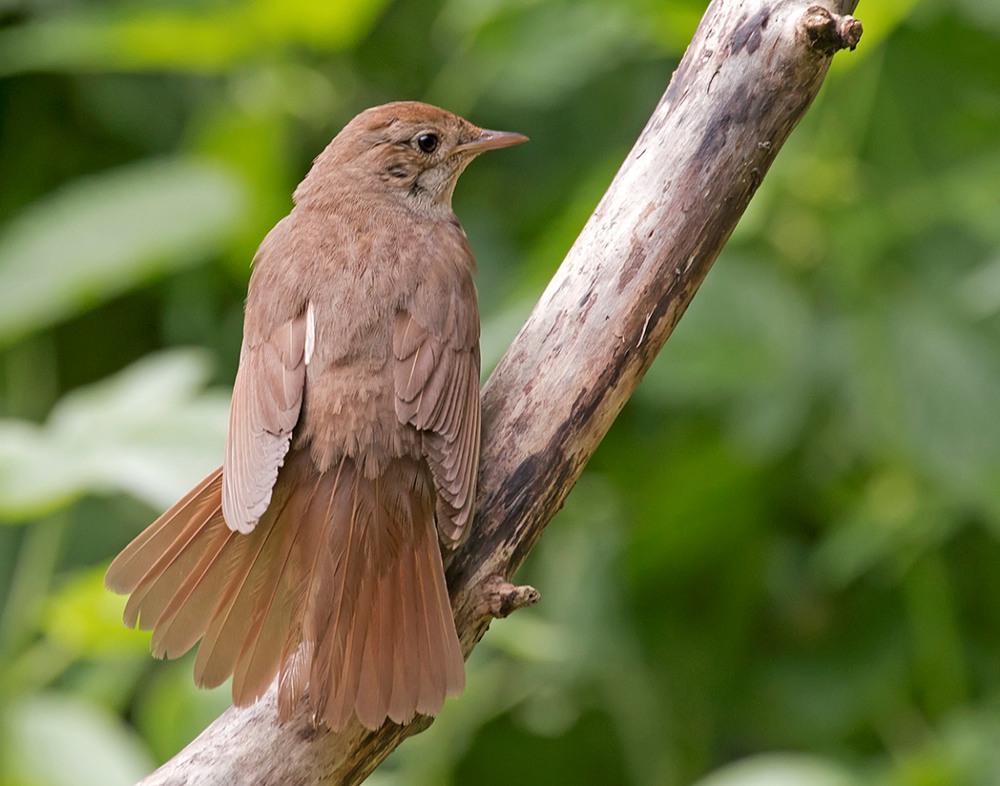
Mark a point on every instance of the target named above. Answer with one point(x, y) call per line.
point(782, 564)
point(59, 740)
point(103, 235)
point(780, 770)
point(148, 431)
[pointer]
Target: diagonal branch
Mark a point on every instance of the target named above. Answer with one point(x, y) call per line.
point(747, 78)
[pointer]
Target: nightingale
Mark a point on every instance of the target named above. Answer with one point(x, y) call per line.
point(313, 555)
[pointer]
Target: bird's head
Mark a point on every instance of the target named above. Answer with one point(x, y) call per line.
point(410, 150)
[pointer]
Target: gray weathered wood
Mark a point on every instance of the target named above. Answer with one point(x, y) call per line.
point(747, 78)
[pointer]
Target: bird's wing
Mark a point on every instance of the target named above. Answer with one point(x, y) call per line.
point(436, 375)
point(267, 397)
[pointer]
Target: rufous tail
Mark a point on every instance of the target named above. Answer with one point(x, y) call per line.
point(339, 591)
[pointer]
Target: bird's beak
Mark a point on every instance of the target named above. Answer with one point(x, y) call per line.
point(490, 140)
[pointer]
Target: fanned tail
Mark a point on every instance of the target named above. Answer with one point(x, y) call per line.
point(387, 646)
point(339, 591)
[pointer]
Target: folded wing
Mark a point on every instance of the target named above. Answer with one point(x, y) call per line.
point(436, 376)
point(267, 398)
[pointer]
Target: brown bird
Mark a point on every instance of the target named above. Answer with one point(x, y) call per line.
point(311, 554)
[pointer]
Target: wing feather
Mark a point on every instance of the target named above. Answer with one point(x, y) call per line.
point(267, 399)
point(436, 375)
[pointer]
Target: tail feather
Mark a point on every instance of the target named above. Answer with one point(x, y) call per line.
point(334, 626)
point(134, 563)
point(183, 620)
point(313, 612)
point(339, 592)
point(227, 624)
point(389, 655)
point(269, 623)
point(414, 633)
point(152, 569)
point(377, 651)
point(446, 654)
point(403, 692)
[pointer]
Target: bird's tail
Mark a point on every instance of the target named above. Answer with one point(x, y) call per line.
point(339, 591)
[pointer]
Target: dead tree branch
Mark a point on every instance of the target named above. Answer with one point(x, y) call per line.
point(745, 81)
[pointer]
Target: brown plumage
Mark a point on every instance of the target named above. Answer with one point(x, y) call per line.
point(312, 555)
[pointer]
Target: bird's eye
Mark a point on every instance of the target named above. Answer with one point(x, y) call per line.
point(427, 142)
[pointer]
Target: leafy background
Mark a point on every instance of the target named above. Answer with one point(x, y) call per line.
point(783, 565)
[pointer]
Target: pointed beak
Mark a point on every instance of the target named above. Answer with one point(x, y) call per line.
point(490, 140)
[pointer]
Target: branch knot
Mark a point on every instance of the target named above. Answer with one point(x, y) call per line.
point(828, 32)
point(499, 598)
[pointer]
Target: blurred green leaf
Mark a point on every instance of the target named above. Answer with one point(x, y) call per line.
point(747, 344)
point(171, 711)
point(56, 740)
point(919, 383)
point(85, 620)
point(148, 431)
point(523, 54)
point(893, 520)
point(102, 235)
point(211, 37)
point(781, 769)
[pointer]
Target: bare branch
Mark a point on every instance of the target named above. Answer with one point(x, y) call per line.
point(745, 81)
